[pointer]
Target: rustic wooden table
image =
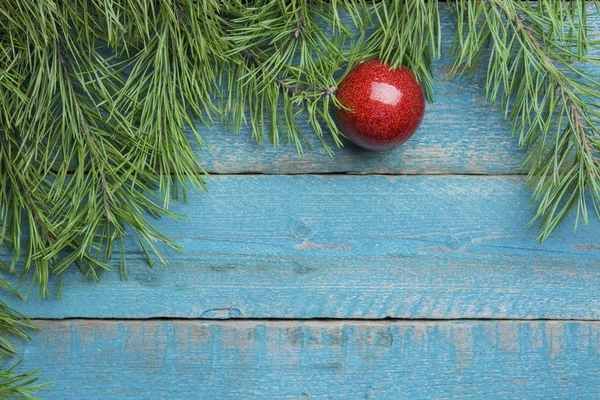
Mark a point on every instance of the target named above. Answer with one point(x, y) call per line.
point(406, 274)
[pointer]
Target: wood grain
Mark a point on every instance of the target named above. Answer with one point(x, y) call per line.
point(317, 359)
point(461, 134)
point(351, 247)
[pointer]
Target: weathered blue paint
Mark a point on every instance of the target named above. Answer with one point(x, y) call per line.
point(351, 247)
point(317, 360)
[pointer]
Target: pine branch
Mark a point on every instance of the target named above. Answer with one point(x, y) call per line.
point(292, 88)
point(16, 385)
point(282, 64)
point(535, 50)
point(13, 384)
point(78, 157)
point(99, 165)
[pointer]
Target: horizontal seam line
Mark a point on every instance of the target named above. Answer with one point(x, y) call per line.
point(358, 173)
point(208, 174)
point(350, 320)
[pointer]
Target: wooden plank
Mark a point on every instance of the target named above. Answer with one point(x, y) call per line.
point(316, 359)
point(351, 247)
point(461, 133)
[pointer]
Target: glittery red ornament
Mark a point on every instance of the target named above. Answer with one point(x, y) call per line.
point(387, 105)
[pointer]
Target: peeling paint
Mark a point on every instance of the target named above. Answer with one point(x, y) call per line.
point(308, 244)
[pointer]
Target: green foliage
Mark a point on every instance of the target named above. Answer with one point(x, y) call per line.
point(13, 384)
point(96, 96)
point(407, 33)
point(282, 55)
point(536, 51)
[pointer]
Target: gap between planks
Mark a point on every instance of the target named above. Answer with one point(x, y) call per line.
point(359, 173)
point(327, 321)
point(208, 174)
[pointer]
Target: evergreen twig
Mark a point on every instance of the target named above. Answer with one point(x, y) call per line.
point(536, 50)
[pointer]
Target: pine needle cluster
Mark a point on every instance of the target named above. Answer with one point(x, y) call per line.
point(95, 97)
point(535, 54)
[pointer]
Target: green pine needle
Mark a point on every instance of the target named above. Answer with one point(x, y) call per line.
point(96, 97)
point(536, 50)
point(14, 384)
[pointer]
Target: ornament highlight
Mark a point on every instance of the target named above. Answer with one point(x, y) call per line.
point(385, 106)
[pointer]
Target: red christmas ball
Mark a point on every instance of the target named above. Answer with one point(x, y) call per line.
point(385, 106)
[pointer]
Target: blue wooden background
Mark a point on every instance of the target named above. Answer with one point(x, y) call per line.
point(406, 274)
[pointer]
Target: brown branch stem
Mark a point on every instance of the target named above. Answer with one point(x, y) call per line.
point(254, 60)
point(299, 25)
